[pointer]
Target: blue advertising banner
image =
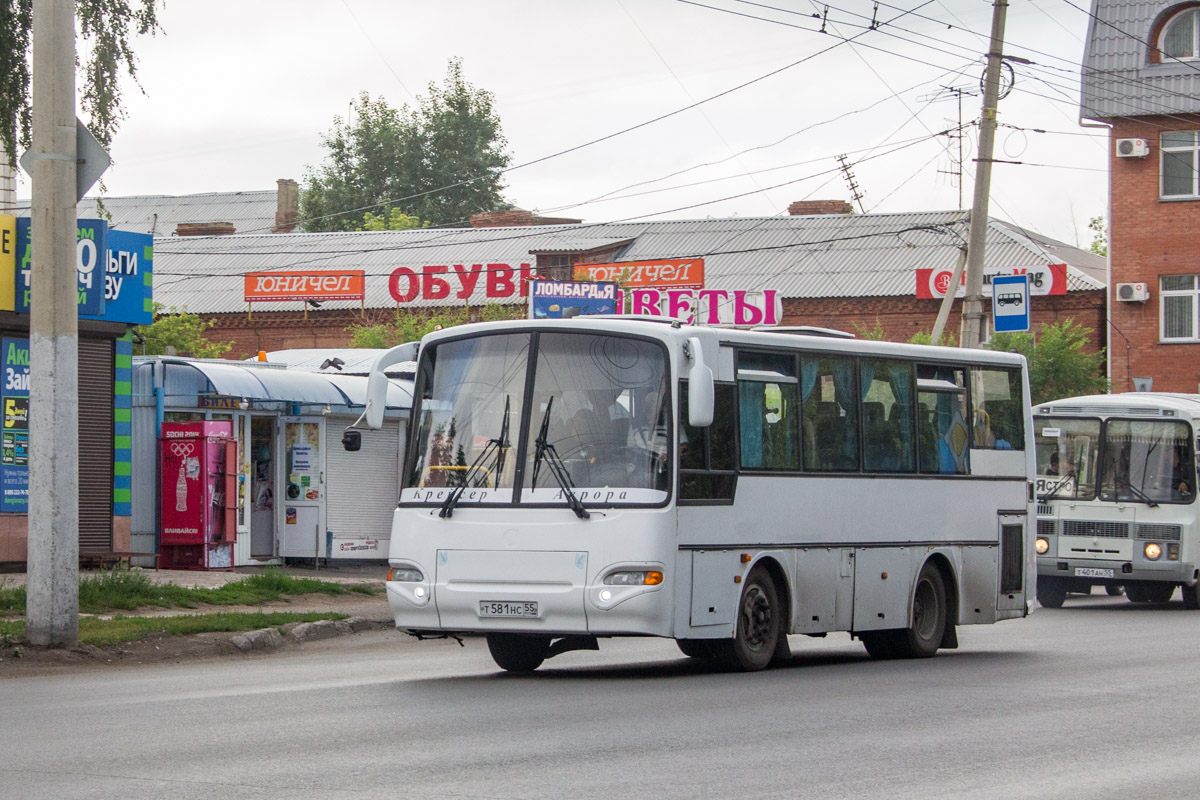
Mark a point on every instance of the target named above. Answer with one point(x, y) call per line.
point(129, 267)
point(563, 299)
point(91, 249)
point(14, 434)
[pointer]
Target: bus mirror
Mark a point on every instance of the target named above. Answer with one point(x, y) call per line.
point(377, 383)
point(351, 440)
point(700, 387)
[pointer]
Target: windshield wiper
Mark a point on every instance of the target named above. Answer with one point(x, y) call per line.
point(500, 443)
point(543, 448)
point(1140, 495)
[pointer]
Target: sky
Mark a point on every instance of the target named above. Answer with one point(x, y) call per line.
point(235, 95)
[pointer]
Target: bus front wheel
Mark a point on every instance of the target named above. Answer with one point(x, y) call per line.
point(1051, 592)
point(758, 629)
point(1191, 596)
point(518, 652)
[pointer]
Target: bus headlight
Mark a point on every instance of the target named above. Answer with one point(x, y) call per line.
point(1041, 545)
point(634, 578)
point(1153, 551)
point(405, 575)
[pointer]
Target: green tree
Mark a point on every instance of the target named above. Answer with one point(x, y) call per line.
point(922, 337)
point(1058, 366)
point(440, 162)
point(180, 330)
point(105, 26)
point(1099, 228)
point(407, 326)
point(394, 220)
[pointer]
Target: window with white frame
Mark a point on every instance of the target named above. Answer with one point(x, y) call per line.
point(1179, 163)
point(1181, 36)
point(1179, 306)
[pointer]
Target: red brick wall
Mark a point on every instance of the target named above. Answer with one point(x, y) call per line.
point(1149, 237)
point(802, 208)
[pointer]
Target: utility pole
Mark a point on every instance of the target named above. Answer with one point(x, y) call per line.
point(52, 606)
point(973, 303)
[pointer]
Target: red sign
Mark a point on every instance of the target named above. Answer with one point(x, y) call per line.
point(1043, 279)
point(325, 285)
point(664, 273)
point(497, 280)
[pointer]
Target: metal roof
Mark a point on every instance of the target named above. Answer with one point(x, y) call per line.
point(1118, 79)
point(850, 255)
point(354, 361)
point(250, 212)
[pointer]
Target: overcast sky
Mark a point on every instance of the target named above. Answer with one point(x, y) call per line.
point(238, 94)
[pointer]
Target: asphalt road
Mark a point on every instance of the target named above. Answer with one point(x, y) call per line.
point(1096, 700)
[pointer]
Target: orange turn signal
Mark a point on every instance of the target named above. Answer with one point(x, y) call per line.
point(653, 578)
point(745, 558)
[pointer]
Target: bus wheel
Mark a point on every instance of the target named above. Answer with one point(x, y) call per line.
point(1112, 590)
point(928, 617)
point(695, 648)
point(1191, 596)
point(1051, 592)
point(881, 645)
point(518, 652)
point(1159, 592)
point(758, 626)
point(1136, 592)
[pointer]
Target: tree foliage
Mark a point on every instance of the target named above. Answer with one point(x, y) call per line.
point(1099, 229)
point(406, 326)
point(1058, 365)
point(180, 330)
point(440, 162)
point(105, 27)
point(394, 220)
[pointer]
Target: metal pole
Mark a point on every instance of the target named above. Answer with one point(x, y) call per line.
point(973, 303)
point(52, 610)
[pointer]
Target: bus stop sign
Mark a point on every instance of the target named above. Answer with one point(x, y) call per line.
point(1010, 303)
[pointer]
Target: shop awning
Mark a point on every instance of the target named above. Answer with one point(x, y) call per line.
point(262, 384)
point(399, 393)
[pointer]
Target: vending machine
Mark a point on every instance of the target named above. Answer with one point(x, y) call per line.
point(197, 468)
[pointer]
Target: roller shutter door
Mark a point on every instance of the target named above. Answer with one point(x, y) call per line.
point(95, 445)
point(362, 488)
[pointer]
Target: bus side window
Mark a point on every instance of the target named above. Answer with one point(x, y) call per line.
point(997, 409)
point(707, 456)
point(887, 429)
point(830, 410)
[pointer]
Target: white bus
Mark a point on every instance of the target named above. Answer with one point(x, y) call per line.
point(1116, 491)
point(571, 480)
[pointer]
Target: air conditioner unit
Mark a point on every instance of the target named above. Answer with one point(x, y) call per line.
point(1132, 148)
point(1133, 292)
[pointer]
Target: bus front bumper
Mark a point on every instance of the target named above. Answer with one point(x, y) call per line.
point(1105, 571)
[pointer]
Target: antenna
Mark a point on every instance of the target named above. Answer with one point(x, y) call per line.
point(955, 171)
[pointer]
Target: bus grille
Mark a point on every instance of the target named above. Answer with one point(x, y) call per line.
point(1107, 530)
point(1046, 527)
point(1046, 510)
point(1012, 564)
point(1158, 532)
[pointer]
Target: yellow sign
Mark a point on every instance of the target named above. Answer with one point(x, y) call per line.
point(8, 262)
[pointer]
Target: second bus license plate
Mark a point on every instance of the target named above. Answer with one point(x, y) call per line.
point(498, 608)
point(1092, 572)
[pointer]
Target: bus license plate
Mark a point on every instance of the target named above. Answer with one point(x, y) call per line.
point(496, 608)
point(1092, 572)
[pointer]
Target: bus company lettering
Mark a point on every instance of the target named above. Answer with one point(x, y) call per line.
point(329, 285)
point(498, 281)
point(710, 306)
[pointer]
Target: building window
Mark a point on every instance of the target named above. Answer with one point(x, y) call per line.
point(1181, 36)
point(1179, 162)
point(1179, 308)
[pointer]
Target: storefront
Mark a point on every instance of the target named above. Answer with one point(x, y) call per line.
point(298, 494)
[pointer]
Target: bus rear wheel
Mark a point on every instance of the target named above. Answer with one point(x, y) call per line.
point(518, 652)
point(695, 648)
point(1191, 596)
point(758, 628)
point(1159, 592)
point(929, 619)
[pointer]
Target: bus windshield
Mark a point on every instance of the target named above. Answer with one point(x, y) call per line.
point(1067, 457)
point(1147, 461)
point(599, 404)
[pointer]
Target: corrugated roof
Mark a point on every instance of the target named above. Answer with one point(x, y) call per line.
point(250, 212)
point(854, 255)
point(354, 361)
point(1117, 76)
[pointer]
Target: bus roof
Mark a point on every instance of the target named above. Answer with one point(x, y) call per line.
point(1125, 404)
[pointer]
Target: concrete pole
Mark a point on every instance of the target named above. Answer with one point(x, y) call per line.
point(52, 608)
point(972, 328)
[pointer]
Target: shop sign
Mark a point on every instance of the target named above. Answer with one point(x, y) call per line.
point(14, 433)
point(461, 281)
point(710, 306)
point(1043, 279)
point(664, 273)
point(222, 402)
point(560, 299)
point(91, 254)
point(128, 275)
point(8, 262)
point(322, 285)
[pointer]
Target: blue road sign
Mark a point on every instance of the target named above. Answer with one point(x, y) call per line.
point(1010, 303)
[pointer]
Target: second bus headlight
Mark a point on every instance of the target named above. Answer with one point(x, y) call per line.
point(1153, 551)
point(634, 578)
point(1041, 545)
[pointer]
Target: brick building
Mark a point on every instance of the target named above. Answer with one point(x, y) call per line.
point(823, 264)
point(1141, 76)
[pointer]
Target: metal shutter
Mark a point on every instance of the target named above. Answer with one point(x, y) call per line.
point(362, 488)
point(95, 445)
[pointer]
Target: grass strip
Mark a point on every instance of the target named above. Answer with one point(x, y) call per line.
point(102, 632)
point(126, 590)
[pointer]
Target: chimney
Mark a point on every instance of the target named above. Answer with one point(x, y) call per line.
point(287, 206)
point(516, 217)
point(204, 229)
point(806, 208)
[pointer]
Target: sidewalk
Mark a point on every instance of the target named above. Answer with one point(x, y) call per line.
point(357, 574)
